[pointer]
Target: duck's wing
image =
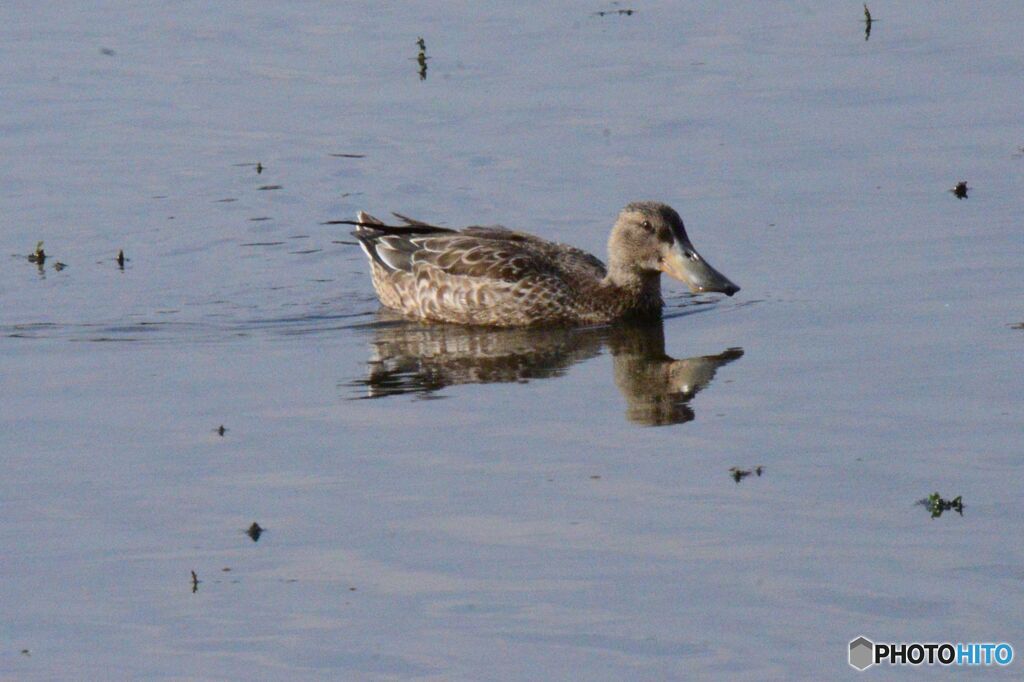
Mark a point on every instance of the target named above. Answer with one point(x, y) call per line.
point(562, 257)
point(484, 252)
point(460, 254)
point(563, 254)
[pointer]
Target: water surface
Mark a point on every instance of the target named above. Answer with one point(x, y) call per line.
point(442, 503)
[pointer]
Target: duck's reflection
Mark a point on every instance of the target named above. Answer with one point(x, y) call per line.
point(421, 359)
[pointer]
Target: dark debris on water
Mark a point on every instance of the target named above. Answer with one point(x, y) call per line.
point(255, 531)
point(739, 474)
point(39, 258)
point(421, 58)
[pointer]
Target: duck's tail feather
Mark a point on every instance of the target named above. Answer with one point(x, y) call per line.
point(388, 245)
point(366, 223)
point(368, 243)
point(412, 222)
point(365, 220)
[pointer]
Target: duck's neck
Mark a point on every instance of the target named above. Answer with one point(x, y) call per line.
point(633, 291)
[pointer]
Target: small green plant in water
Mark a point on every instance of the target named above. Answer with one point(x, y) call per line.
point(936, 505)
point(38, 256)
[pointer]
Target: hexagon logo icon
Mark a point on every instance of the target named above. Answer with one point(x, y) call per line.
point(862, 653)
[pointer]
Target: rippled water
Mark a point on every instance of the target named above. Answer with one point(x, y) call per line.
point(450, 503)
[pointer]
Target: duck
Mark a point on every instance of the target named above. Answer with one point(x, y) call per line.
point(497, 277)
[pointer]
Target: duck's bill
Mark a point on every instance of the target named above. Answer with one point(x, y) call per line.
point(686, 265)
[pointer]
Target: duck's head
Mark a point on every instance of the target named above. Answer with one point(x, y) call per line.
point(649, 238)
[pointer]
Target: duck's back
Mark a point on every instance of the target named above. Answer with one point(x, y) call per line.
point(479, 275)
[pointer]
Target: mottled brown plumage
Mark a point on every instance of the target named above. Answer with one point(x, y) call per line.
point(498, 277)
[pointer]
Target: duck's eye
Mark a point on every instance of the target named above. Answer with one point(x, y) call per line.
point(647, 226)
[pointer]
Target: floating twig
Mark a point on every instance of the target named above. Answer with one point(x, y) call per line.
point(867, 22)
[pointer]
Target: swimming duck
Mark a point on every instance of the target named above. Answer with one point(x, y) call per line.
point(494, 276)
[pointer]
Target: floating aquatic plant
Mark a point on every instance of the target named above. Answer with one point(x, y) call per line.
point(421, 58)
point(936, 504)
point(37, 256)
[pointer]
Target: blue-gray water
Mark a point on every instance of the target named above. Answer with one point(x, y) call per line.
point(564, 508)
